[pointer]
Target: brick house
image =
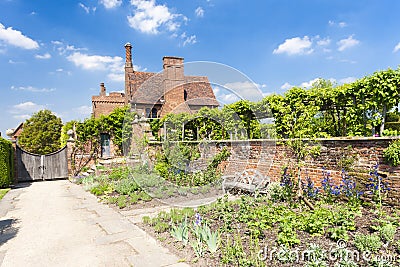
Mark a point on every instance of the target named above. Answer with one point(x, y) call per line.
point(153, 95)
point(156, 94)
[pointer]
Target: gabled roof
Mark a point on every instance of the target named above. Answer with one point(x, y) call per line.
point(149, 88)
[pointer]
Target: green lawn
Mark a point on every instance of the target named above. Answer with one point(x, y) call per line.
point(3, 192)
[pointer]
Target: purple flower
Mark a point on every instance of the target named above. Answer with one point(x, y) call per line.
point(197, 217)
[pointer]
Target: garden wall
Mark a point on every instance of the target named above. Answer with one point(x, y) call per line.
point(357, 155)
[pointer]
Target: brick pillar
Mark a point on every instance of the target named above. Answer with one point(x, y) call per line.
point(70, 150)
point(14, 146)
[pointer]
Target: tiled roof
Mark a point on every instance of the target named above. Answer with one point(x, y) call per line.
point(148, 89)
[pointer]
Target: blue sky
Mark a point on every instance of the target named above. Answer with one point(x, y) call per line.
point(54, 54)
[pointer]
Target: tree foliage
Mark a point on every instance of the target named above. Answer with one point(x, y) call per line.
point(239, 120)
point(327, 109)
point(41, 133)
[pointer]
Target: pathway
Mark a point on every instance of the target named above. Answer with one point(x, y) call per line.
point(57, 223)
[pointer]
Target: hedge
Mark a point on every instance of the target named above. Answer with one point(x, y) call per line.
point(393, 125)
point(6, 163)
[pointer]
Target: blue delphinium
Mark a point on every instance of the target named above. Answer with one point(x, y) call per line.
point(349, 188)
point(310, 189)
point(331, 190)
point(377, 185)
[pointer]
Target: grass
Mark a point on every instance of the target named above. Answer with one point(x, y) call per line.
point(3, 192)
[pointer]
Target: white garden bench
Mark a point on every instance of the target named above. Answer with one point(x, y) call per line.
point(249, 180)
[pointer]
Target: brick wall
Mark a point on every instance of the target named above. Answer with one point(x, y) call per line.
point(358, 155)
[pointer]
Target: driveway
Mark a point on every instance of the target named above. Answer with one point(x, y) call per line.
point(57, 223)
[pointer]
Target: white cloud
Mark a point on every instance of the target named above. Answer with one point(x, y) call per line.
point(56, 42)
point(95, 62)
point(199, 12)
point(111, 3)
point(396, 48)
point(245, 90)
point(225, 97)
point(324, 42)
point(286, 86)
point(86, 8)
point(340, 24)
point(24, 110)
point(83, 110)
point(16, 38)
point(309, 83)
point(190, 40)
point(33, 89)
point(348, 80)
point(22, 117)
point(295, 46)
point(114, 65)
point(347, 43)
point(13, 62)
point(149, 17)
point(348, 61)
point(45, 56)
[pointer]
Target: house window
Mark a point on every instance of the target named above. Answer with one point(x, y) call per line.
point(185, 95)
point(154, 113)
point(148, 112)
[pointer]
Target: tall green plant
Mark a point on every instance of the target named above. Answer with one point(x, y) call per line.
point(6, 163)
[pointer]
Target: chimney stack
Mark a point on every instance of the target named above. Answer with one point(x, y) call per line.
point(102, 90)
point(128, 55)
point(173, 68)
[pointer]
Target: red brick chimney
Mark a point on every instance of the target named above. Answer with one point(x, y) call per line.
point(173, 68)
point(128, 55)
point(129, 73)
point(174, 80)
point(102, 90)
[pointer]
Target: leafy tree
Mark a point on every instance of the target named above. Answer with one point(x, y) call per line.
point(41, 133)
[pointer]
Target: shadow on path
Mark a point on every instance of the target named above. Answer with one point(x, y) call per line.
point(7, 230)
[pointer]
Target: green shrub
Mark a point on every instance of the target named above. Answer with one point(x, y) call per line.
point(112, 200)
point(126, 186)
point(6, 163)
point(161, 227)
point(122, 202)
point(146, 220)
point(119, 173)
point(392, 153)
point(144, 196)
point(370, 243)
point(100, 189)
point(387, 232)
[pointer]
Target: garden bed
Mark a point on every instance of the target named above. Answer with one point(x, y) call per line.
point(261, 232)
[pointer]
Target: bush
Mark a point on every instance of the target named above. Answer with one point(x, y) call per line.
point(119, 173)
point(126, 186)
point(371, 243)
point(6, 163)
point(392, 153)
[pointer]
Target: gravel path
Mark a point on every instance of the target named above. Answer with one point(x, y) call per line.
point(57, 223)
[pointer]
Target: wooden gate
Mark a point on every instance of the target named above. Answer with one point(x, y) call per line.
point(32, 167)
